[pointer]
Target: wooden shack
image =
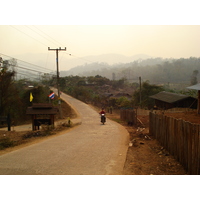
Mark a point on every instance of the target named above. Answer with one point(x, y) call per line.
point(166, 100)
point(42, 113)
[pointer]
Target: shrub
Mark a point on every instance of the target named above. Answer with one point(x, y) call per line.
point(6, 142)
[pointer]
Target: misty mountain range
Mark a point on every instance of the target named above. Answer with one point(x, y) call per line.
point(67, 62)
point(86, 64)
point(156, 70)
point(115, 66)
point(114, 58)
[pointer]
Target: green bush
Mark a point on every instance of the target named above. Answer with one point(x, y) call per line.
point(123, 102)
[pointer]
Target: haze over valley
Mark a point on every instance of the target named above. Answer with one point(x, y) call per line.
point(156, 53)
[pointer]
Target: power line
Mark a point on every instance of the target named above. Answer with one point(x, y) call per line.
point(51, 41)
point(23, 68)
point(49, 36)
point(27, 62)
point(57, 43)
point(40, 34)
point(25, 75)
point(33, 37)
point(29, 36)
point(28, 69)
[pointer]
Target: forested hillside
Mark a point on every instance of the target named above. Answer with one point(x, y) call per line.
point(156, 70)
point(117, 86)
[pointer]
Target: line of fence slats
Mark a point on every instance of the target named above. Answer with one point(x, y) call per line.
point(180, 138)
point(128, 115)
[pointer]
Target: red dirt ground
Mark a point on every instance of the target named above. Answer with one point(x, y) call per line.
point(145, 155)
point(190, 116)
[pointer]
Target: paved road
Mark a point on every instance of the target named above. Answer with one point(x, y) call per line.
point(88, 149)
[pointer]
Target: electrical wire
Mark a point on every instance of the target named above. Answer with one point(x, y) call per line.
point(27, 69)
point(24, 66)
point(29, 36)
point(25, 75)
point(40, 34)
point(33, 65)
point(56, 42)
point(48, 35)
point(49, 40)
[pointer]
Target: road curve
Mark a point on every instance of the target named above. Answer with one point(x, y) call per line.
point(88, 149)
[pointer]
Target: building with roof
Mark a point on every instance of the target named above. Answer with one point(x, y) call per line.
point(167, 100)
point(42, 113)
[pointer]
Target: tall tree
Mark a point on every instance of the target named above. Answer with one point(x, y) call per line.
point(7, 89)
point(146, 90)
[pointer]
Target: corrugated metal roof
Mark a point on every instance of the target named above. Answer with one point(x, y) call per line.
point(169, 97)
point(194, 87)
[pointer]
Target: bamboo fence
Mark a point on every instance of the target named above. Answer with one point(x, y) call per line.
point(180, 138)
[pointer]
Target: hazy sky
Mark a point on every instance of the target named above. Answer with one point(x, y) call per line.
point(83, 40)
point(96, 27)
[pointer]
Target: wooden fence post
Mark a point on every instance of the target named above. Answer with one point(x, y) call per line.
point(186, 145)
point(198, 151)
point(180, 138)
point(195, 144)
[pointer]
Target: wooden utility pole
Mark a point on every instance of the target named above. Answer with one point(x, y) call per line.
point(58, 87)
point(140, 91)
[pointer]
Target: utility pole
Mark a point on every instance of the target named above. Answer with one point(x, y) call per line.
point(140, 90)
point(58, 87)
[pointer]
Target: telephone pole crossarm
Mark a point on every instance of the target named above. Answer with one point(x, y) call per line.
point(57, 49)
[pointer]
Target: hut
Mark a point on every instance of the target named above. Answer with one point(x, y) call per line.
point(167, 100)
point(42, 114)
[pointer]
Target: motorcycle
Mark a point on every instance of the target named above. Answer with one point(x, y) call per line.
point(103, 118)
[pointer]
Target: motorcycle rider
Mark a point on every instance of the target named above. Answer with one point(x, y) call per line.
point(102, 112)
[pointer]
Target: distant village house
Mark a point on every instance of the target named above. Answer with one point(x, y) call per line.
point(167, 100)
